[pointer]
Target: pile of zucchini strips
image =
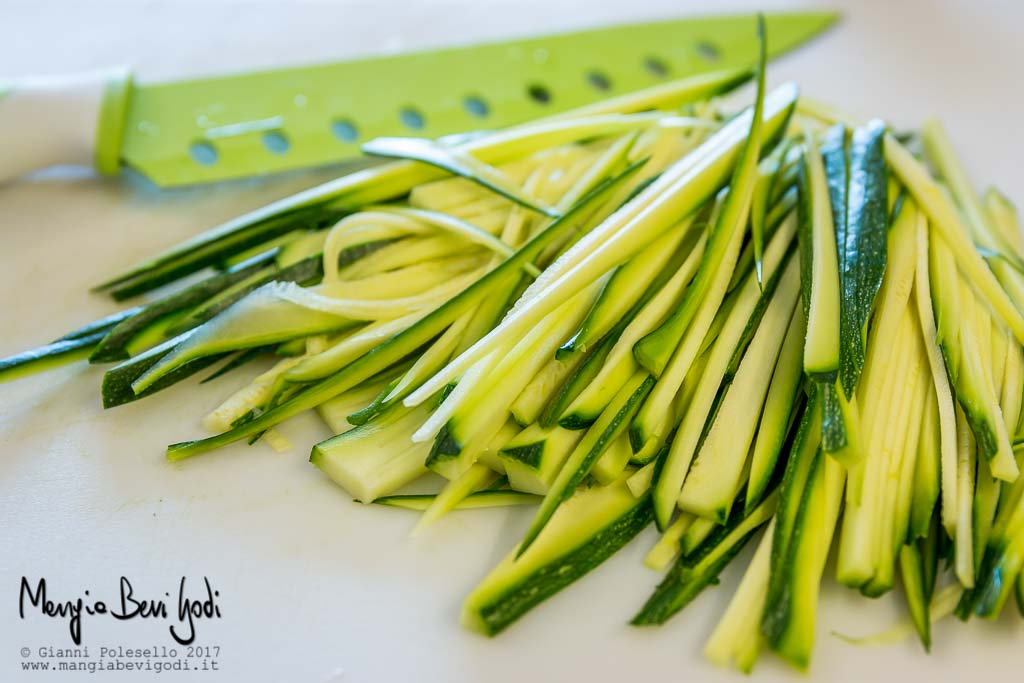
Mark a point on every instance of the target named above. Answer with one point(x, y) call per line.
point(776, 325)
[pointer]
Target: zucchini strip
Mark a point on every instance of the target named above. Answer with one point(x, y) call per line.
point(668, 548)
point(677, 462)
point(820, 269)
point(692, 574)
point(737, 637)
point(103, 324)
point(947, 439)
point(781, 407)
point(591, 527)
point(715, 475)
point(863, 247)
point(53, 355)
point(609, 427)
point(458, 163)
point(376, 458)
point(474, 501)
point(455, 491)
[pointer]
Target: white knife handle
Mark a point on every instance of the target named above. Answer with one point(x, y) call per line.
point(77, 119)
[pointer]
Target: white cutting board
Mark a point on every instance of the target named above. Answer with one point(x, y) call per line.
point(313, 587)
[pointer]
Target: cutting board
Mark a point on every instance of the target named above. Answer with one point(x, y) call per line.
point(313, 587)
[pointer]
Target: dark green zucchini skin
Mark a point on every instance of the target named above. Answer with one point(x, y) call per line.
point(114, 346)
point(54, 354)
point(916, 590)
point(688, 578)
point(562, 491)
point(554, 577)
point(796, 481)
point(116, 388)
point(102, 325)
point(215, 246)
point(863, 245)
point(306, 272)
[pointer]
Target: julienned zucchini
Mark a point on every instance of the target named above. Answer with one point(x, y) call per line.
point(692, 573)
point(715, 477)
point(820, 269)
point(654, 351)
point(612, 346)
point(586, 530)
point(54, 354)
point(609, 426)
point(376, 458)
point(412, 337)
point(474, 501)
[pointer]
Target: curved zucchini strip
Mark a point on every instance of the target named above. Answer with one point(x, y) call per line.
point(462, 228)
point(267, 316)
point(399, 346)
point(458, 163)
point(591, 527)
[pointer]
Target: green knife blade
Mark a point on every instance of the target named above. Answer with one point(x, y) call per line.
point(266, 122)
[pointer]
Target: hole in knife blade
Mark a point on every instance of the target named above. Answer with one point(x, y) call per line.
point(708, 51)
point(203, 153)
point(344, 130)
point(276, 142)
point(411, 118)
point(476, 106)
point(599, 80)
point(656, 66)
point(538, 93)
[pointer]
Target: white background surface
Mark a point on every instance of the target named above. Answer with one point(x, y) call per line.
point(313, 587)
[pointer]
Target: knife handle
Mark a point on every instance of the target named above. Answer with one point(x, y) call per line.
point(75, 119)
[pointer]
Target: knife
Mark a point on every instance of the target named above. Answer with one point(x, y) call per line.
point(259, 123)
